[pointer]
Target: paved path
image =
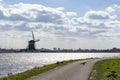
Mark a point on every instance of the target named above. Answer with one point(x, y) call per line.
point(72, 71)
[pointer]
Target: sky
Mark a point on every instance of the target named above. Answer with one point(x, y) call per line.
point(86, 24)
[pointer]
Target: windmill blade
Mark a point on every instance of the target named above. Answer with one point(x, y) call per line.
point(33, 36)
point(37, 40)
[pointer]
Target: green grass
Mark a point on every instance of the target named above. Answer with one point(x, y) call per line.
point(107, 70)
point(37, 70)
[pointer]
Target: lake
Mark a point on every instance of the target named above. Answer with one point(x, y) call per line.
point(19, 62)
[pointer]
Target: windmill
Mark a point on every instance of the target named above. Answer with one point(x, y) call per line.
point(31, 43)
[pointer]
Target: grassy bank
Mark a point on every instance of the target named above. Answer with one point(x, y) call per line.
point(37, 70)
point(107, 70)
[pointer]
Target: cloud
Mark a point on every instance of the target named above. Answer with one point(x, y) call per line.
point(60, 8)
point(1, 0)
point(56, 24)
point(71, 14)
point(31, 16)
point(98, 15)
point(113, 8)
point(97, 24)
point(57, 21)
point(32, 12)
point(110, 9)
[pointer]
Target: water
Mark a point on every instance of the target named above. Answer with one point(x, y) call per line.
point(19, 62)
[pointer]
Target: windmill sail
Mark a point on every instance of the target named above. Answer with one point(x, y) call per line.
point(33, 36)
point(37, 40)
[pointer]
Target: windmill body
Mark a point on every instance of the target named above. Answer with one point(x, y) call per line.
point(31, 43)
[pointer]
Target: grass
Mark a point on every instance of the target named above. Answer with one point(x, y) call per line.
point(37, 70)
point(107, 70)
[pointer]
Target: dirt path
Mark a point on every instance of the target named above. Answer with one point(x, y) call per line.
point(74, 71)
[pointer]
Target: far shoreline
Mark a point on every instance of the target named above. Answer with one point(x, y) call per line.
point(58, 50)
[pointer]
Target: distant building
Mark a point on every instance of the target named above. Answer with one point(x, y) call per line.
point(54, 49)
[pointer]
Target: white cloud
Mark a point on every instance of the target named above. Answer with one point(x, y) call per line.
point(71, 14)
point(55, 20)
point(32, 12)
point(60, 8)
point(113, 8)
point(110, 9)
point(56, 23)
point(1, 0)
point(99, 15)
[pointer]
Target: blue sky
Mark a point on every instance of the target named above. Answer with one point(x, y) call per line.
point(60, 23)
